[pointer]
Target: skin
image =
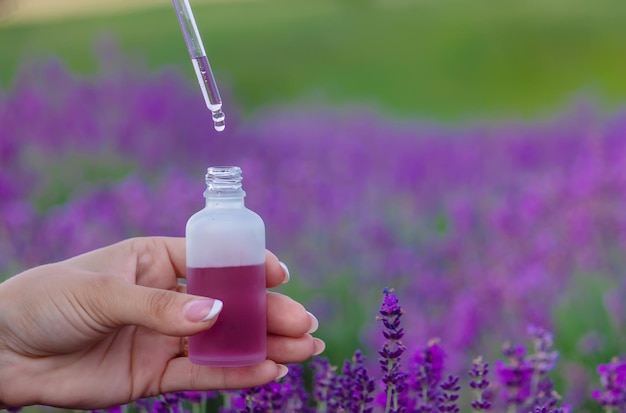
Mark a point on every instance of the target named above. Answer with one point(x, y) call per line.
point(105, 328)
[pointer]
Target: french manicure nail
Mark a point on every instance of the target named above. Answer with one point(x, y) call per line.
point(203, 310)
point(287, 276)
point(314, 323)
point(282, 371)
point(320, 346)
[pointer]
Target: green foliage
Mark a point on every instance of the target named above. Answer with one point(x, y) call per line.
point(582, 311)
point(339, 298)
point(586, 332)
point(445, 59)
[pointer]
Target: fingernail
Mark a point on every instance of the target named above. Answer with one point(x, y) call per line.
point(282, 371)
point(320, 346)
point(203, 310)
point(287, 276)
point(314, 324)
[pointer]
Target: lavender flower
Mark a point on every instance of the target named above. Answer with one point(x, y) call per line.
point(295, 398)
point(161, 406)
point(479, 384)
point(524, 377)
point(544, 357)
point(549, 410)
point(448, 398)
point(612, 395)
point(233, 401)
point(285, 396)
point(325, 384)
point(393, 377)
point(515, 376)
point(426, 374)
point(356, 386)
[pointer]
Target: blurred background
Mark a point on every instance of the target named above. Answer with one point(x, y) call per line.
point(451, 60)
point(468, 154)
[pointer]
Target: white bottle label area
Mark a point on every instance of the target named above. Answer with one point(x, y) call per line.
point(224, 239)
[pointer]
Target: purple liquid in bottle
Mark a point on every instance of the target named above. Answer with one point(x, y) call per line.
point(239, 335)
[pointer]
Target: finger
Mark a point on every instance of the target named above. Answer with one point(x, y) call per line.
point(287, 317)
point(114, 303)
point(180, 374)
point(293, 350)
point(159, 260)
point(144, 257)
point(276, 271)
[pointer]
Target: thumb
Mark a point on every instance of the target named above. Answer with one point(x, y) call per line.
point(168, 312)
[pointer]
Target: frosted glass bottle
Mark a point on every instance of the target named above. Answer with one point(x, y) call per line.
point(226, 260)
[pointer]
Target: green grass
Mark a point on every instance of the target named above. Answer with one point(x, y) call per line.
point(581, 312)
point(443, 59)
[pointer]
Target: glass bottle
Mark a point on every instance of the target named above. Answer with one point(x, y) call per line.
point(226, 260)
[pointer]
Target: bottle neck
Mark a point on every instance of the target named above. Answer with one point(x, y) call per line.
point(224, 188)
point(224, 202)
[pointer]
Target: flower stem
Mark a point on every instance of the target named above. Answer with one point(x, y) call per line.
point(321, 404)
point(389, 389)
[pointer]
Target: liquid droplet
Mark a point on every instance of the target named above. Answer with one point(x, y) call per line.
point(219, 120)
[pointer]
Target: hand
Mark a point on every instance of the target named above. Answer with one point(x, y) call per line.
point(105, 328)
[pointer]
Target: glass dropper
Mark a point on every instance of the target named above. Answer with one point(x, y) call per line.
point(200, 62)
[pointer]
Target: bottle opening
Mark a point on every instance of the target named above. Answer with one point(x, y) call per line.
point(224, 181)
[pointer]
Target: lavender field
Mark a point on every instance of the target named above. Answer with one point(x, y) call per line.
point(480, 229)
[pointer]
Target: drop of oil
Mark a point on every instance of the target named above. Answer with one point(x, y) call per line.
point(219, 120)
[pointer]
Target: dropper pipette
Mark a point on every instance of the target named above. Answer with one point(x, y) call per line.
point(200, 62)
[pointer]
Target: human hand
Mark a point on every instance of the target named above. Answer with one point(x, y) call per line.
point(106, 328)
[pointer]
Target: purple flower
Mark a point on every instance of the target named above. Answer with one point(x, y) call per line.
point(612, 395)
point(325, 382)
point(479, 384)
point(544, 357)
point(426, 373)
point(196, 396)
point(356, 386)
point(143, 405)
point(393, 378)
point(515, 375)
point(524, 377)
point(293, 390)
point(546, 398)
point(448, 397)
point(288, 394)
point(554, 410)
point(161, 406)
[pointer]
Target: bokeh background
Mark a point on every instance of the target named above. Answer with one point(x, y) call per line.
point(469, 154)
